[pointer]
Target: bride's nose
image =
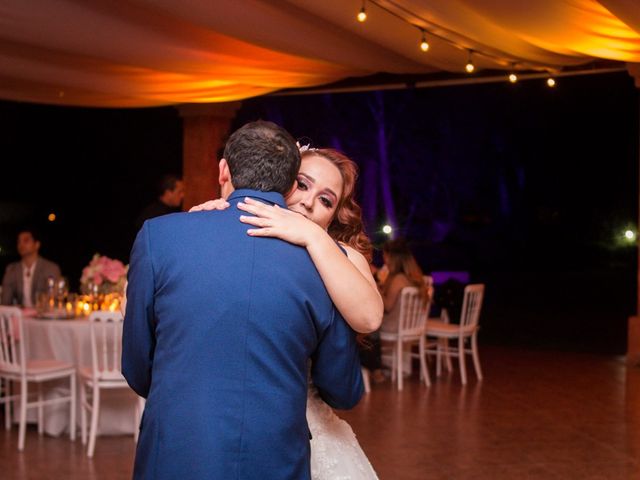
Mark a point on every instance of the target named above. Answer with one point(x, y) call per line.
point(307, 202)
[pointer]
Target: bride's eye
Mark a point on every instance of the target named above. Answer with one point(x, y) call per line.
point(326, 202)
point(301, 184)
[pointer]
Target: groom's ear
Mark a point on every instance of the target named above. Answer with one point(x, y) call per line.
point(224, 179)
point(224, 175)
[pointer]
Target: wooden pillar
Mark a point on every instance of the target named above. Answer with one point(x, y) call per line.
point(205, 129)
point(634, 71)
point(633, 326)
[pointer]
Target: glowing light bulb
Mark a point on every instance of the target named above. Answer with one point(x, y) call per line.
point(362, 15)
point(513, 78)
point(52, 217)
point(551, 82)
point(629, 235)
point(424, 45)
point(469, 67)
point(387, 229)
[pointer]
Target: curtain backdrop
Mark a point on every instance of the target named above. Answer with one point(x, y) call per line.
point(135, 53)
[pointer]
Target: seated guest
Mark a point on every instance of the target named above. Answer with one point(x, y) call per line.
point(170, 195)
point(23, 280)
point(403, 271)
point(380, 275)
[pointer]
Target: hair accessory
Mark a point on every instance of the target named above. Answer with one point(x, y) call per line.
point(305, 148)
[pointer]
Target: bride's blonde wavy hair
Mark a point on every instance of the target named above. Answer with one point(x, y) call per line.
point(347, 225)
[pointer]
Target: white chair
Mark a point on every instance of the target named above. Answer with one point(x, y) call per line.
point(5, 391)
point(466, 330)
point(411, 324)
point(104, 373)
point(14, 367)
point(366, 380)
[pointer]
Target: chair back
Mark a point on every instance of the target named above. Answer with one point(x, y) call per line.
point(471, 305)
point(106, 345)
point(413, 312)
point(12, 356)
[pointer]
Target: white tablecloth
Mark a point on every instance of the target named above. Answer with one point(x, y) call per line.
point(69, 341)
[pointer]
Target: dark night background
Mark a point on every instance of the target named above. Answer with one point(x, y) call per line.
point(527, 188)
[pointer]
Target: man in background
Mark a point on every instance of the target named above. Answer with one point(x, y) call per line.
point(170, 195)
point(23, 280)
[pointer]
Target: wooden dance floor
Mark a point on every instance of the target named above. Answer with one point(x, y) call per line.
point(537, 415)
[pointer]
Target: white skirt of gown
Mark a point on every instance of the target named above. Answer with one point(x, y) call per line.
point(335, 452)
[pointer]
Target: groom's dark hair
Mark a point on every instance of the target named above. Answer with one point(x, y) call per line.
point(262, 156)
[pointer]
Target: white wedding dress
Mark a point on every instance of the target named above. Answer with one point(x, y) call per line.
point(335, 452)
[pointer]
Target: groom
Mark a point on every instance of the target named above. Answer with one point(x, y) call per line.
point(220, 327)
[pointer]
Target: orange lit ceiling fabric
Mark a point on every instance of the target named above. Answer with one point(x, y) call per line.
point(136, 53)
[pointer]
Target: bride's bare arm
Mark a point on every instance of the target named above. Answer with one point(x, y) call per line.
point(347, 278)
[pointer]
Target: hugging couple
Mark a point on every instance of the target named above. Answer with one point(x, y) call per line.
point(241, 320)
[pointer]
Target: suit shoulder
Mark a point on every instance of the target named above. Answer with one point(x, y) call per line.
point(47, 262)
point(11, 267)
point(184, 225)
point(171, 220)
point(178, 218)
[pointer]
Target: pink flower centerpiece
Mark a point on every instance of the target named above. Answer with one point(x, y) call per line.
point(104, 274)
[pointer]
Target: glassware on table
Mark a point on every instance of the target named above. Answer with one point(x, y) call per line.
point(62, 287)
point(42, 302)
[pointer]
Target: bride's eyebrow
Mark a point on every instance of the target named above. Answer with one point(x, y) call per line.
point(313, 180)
point(332, 193)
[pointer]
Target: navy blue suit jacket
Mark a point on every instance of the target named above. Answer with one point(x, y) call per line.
point(218, 333)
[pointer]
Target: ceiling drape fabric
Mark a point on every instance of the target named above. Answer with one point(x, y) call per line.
point(136, 53)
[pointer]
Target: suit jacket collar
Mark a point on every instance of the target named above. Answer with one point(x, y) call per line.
point(35, 277)
point(35, 273)
point(267, 197)
point(20, 282)
point(34, 266)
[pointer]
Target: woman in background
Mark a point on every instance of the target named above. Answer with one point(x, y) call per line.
point(402, 271)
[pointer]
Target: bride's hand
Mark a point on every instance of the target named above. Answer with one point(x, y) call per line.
point(278, 222)
point(217, 204)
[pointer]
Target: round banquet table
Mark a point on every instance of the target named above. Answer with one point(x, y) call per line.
point(70, 341)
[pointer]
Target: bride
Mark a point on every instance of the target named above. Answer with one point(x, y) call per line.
point(322, 211)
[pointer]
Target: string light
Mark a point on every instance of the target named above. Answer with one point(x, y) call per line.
point(469, 67)
point(424, 45)
point(387, 229)
point(513, 78)
point(362, 15)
